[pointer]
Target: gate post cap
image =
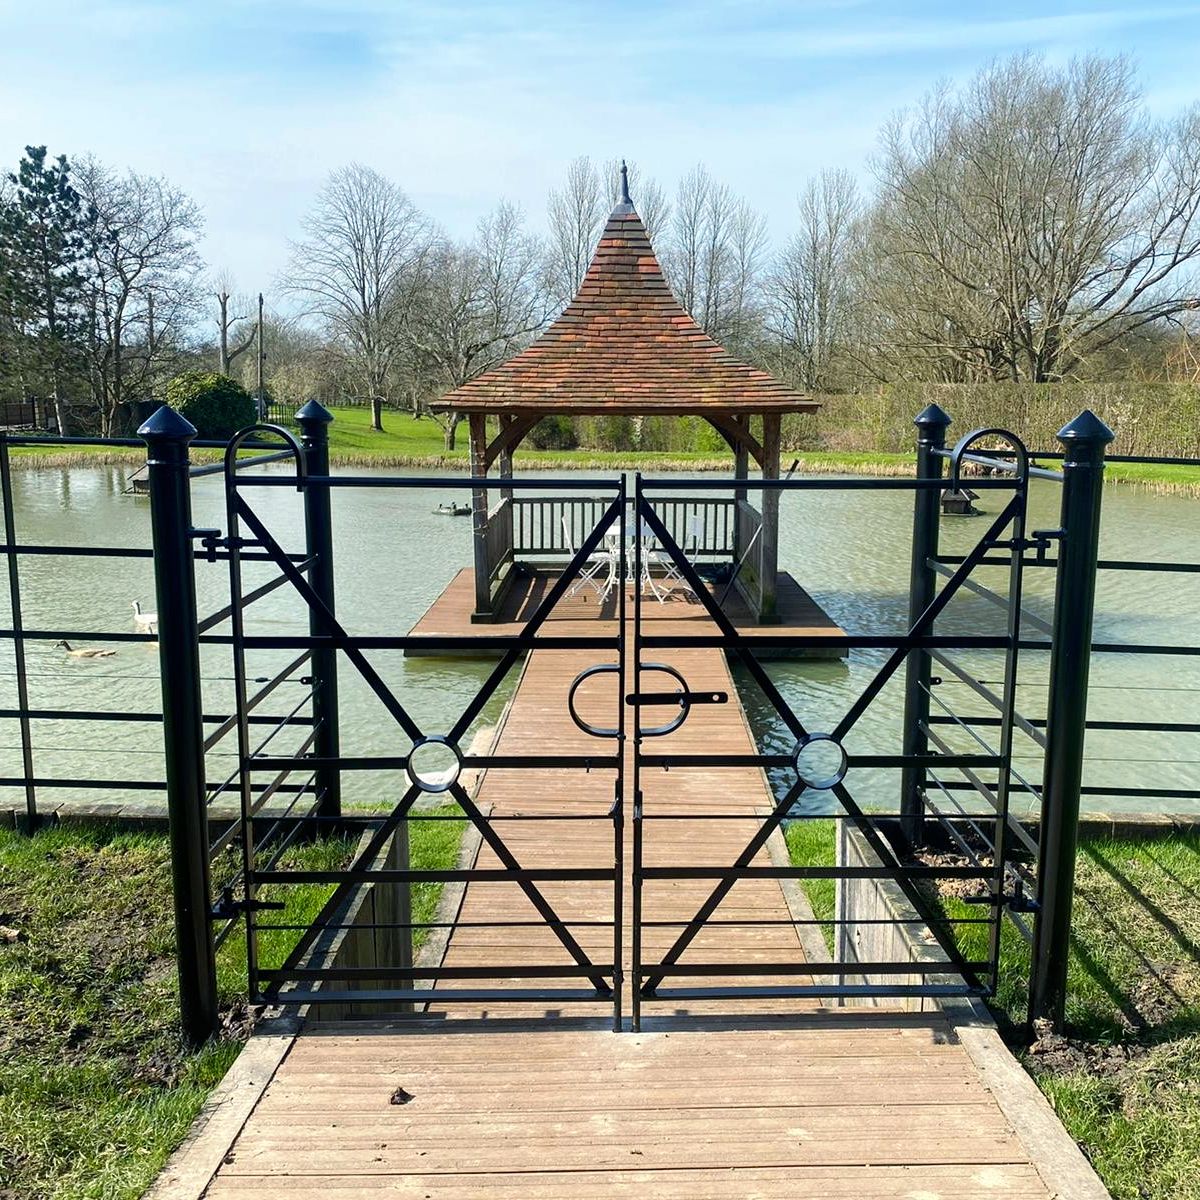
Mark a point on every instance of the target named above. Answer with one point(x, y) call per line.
point(932, 416)
point(166, 425)
point(1085, 430)
point(314, 413)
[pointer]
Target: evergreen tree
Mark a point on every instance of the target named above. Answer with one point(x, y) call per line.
point(42, 252)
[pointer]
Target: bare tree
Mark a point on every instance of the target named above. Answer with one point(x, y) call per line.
point(140, 287)
point(233, 338)
point(1032, 218)
point(577, 214)
point(480, 302)
point(809, 289)
point(356, 268)
point(713, 257)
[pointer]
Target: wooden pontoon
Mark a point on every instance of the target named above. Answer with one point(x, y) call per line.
point(625, 346)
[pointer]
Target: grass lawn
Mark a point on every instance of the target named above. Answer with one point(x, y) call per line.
point(96, 1086)
point(1125, 1080)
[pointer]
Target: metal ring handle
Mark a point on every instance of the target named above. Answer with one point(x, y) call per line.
point(593, 730)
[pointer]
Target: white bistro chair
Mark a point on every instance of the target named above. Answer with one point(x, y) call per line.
point(597, 563)
point(671, 578)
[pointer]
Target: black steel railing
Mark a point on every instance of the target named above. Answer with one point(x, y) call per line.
point(959, 772)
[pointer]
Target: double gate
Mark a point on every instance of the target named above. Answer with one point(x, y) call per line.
point(599, 952)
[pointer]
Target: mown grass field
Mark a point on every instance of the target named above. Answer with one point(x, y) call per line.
point(96, 1086)
point(1125, 1080)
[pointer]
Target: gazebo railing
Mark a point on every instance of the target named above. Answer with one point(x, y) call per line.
point(538, 522)
point(500, 535)
point(701, 525)
point(750, 545)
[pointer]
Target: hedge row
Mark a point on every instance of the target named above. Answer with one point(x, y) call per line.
point(1148, 418)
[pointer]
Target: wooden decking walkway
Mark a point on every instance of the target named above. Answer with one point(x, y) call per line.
point(709, 1101)
point(799, 613)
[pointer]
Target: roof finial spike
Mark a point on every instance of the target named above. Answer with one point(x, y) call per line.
point(625, 184)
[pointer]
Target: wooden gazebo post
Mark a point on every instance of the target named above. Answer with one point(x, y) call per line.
point(625, 345)
point(768, 579)
point(477, 424)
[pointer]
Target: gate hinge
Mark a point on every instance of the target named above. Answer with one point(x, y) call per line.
point(230, 906)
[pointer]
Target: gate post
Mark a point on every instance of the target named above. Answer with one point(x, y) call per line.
point(932, 423)
point(167, 435)
point(1083, 440)
point(314, 419)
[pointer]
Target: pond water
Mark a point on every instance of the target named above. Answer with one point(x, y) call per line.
point(849, 549)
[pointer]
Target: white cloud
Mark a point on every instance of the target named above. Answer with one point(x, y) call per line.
point(249, 105)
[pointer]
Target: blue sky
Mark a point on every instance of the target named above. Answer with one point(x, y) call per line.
point(248, 105)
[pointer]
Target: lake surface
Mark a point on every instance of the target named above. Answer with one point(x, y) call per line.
point(849, 549)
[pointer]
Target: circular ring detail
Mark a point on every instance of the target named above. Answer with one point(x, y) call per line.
point(814, 774)
point(434, 778)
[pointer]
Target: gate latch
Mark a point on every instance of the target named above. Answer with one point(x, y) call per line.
point(1039, 543)
point(684, 698)
point(230, 906)
point(211, 540)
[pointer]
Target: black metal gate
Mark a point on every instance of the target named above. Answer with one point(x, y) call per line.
point(306, 975)
point(634, 750)
point(663, 977)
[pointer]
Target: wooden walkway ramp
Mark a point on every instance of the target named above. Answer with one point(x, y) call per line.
point(708, 1101)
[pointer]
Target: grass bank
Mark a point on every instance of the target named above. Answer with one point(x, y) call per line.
point(1125, 1079)
point(96, 1085)
point(418, 443)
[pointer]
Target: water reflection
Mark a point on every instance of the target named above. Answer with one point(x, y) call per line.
point(395, 555)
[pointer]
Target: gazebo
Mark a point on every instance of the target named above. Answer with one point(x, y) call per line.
point(624, 345)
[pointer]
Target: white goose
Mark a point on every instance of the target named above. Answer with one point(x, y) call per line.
point(143, 622)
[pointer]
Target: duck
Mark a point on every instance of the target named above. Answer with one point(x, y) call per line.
point(143, 622)
point(85, 652)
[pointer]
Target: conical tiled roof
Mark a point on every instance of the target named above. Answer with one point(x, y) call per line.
point(625, 344)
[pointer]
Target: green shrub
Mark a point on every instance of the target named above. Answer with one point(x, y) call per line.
point(554, 433)
point(610, 432)
point(217, 405)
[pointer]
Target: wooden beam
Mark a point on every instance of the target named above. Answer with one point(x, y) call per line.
point(741, 469)
point(505, 467)
point(513, 430)
point(477, 423)
point(769, 613)
point(736, 431)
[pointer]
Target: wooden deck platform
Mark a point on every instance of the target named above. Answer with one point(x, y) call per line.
point(708, 1101)
point(450, 614)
